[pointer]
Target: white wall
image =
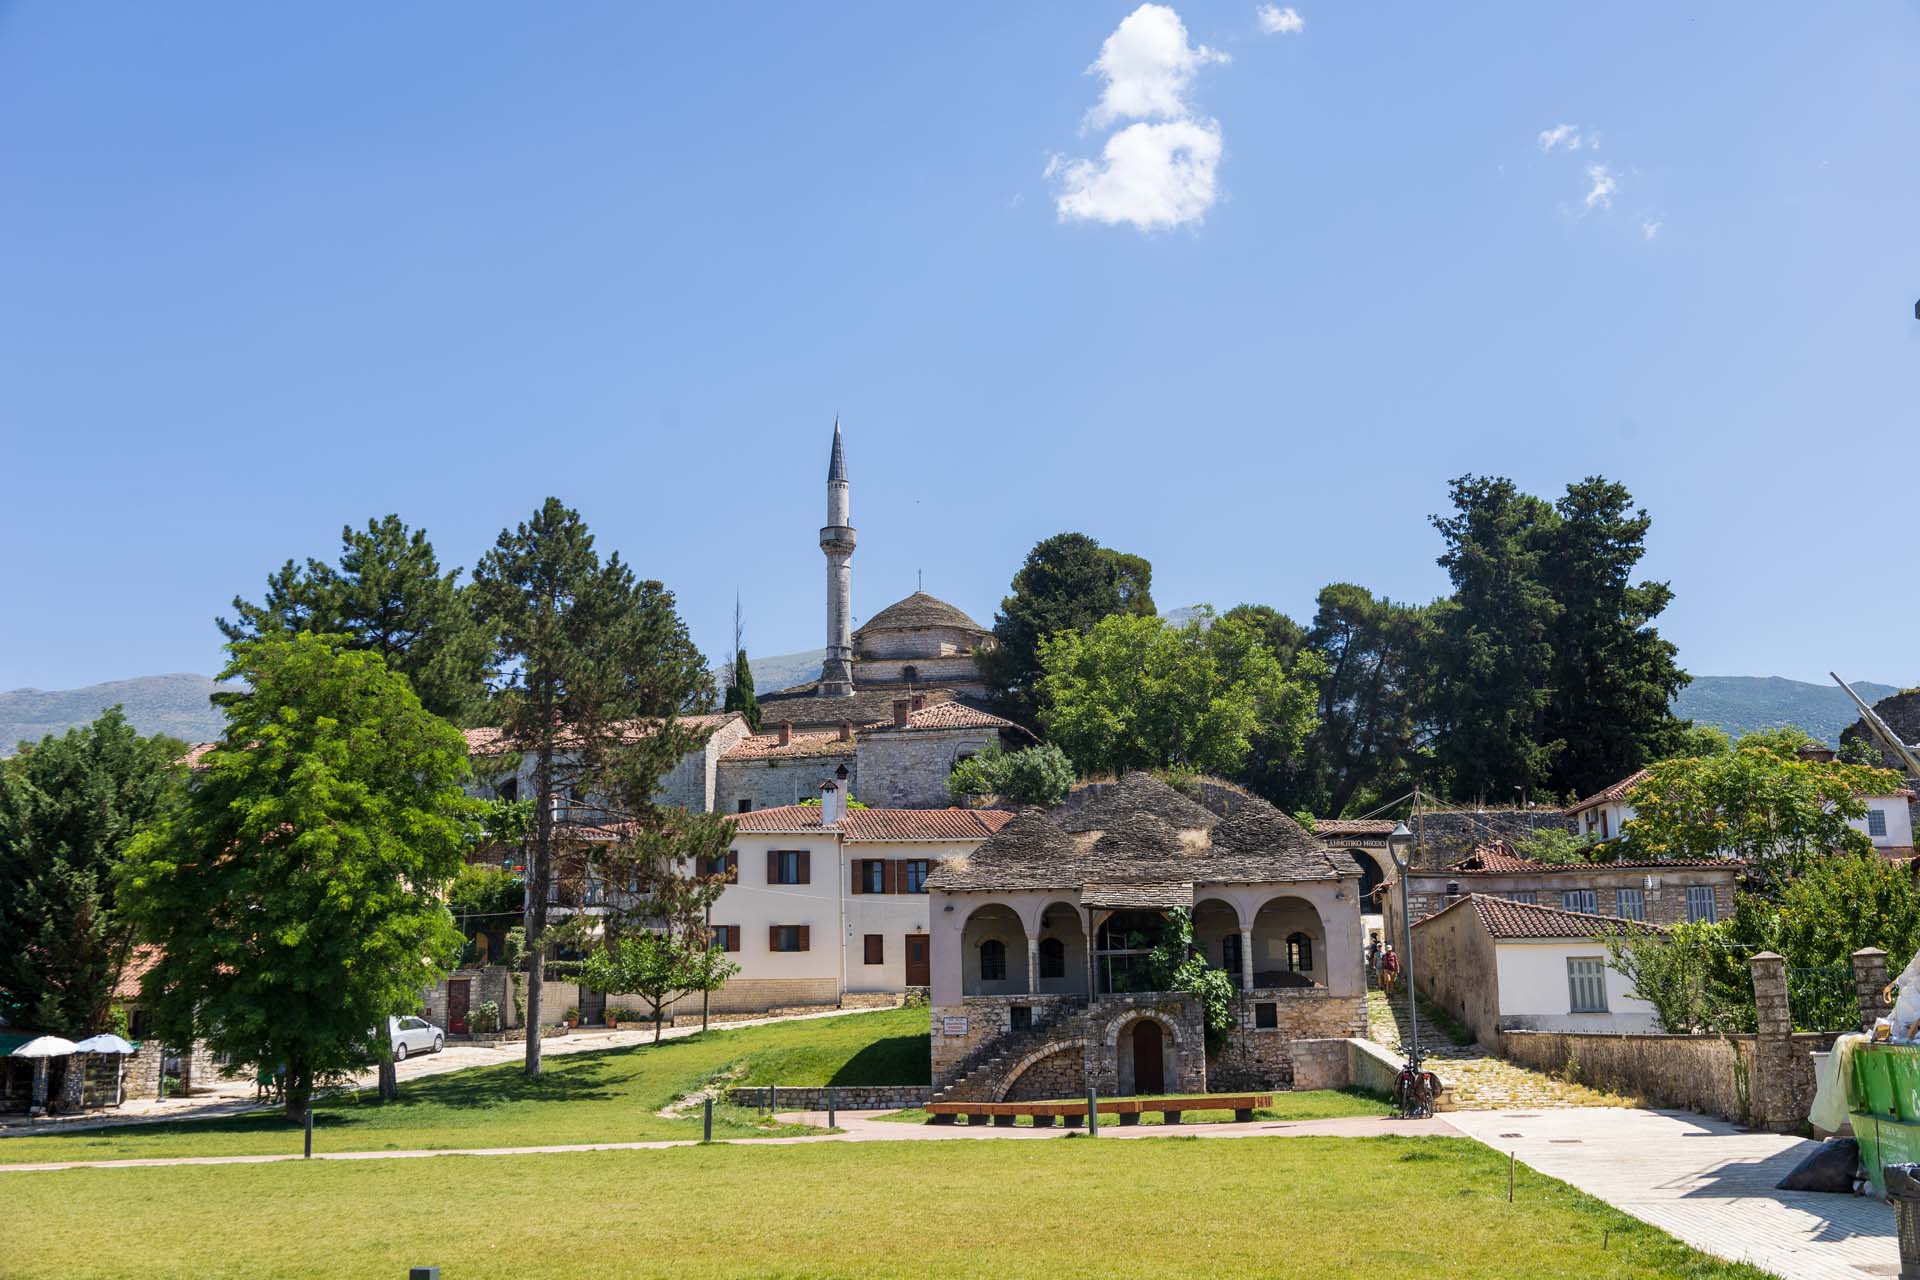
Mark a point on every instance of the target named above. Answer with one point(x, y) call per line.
point(756, 906)
point(891, 915)
point(1534, 993)
point(1605, 821)
point(1899, 822)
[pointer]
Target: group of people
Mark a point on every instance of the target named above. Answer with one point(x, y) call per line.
point(1383, 964)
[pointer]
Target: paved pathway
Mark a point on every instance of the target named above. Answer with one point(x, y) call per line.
point(857, 1126)
point(1705, 1181)
point(236, 1097)
point(1479, 1078)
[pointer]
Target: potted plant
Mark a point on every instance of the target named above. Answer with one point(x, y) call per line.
point(572, 1018)
point(613, 1018)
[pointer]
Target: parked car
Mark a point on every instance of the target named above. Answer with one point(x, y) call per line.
point(414, 1035)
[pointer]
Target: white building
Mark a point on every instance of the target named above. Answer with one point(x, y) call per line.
point(1501, 966)
point(829, 903)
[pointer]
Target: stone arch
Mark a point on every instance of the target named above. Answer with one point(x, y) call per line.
point(1053, 1048)
point(1128, 1041)
point(1277, 929)
point(1375, 873)
point(1057, 925)
point(998, 924)
point(1216, 931)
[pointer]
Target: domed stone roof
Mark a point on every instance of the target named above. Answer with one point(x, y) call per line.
point(919, 610)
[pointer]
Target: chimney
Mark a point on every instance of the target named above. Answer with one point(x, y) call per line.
point(902, 712)
point(830, 804)
point(919, 702)
point(846, 731)
point(786, 733)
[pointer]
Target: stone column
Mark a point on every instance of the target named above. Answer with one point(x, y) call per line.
point(1869, 984)
point(1246, 959)
point(1770, 1101)
point(1033, 964)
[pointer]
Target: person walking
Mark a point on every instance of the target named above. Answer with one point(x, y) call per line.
point(1373, 960)
point(1389, 970)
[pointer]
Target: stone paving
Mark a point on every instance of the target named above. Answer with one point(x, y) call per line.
point(1478, 1078)
point(1703, 1180)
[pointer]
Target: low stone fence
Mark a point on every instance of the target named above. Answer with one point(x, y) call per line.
point(877, 1097)
point(1355, 1063)
point(1719, 1075)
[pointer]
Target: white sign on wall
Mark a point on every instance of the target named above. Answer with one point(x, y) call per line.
point(953, 1026)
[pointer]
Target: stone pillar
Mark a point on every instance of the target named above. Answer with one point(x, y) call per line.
point(1246, 959)
point(74, 1086)
point(1870, 984)
point(1770, 1101)
point(1033, 964)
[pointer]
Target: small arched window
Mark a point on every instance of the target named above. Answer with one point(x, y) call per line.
point(1053, 958)
point(910, 673)
point(1299, 953)
point(993, 960)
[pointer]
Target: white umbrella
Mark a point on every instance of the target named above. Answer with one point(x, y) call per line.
point(46, 1047)
point(106, 1042)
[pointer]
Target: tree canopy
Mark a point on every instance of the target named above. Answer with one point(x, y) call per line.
point(1068, 583)
point(69, 807)
point(740, 692)
point(295, 892)
point(387, 596)
point(1039, 775)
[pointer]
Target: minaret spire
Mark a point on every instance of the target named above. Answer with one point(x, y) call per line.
point(836, 543)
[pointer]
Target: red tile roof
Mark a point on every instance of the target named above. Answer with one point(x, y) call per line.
point(1353, 826)
point(766, 746)
point(1618, 791)
point(142, 959)
point(196, 755)
point(879, 824)
point(493, 742)
point(1497, 859)
point(945, 715)
point(1507, 920)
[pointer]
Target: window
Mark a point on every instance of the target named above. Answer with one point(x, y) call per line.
point(787, 937)
point(1230, 954)
point(787, 866)
point(1266, 1015)
point(993, 960)
point(917, 875)
point(727, 864)
point(1630, 904)
point(596, 893)
point(507, 789)
point(1579, 900)
point(873, 876)
point(1527, 896)
point(725, 937)
point(1020, 1018)
point(1700, 905)
point(746, 806)
point(1299, 952)
point(1053, 958)
point(1586, 984)
point(876, 949)
point(139, 1024)
point(1876, 822)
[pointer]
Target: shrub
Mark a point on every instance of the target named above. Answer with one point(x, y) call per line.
point(1039, 775)
point(485, 1017)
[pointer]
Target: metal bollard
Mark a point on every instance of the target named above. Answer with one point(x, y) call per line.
point(1093, 1113)
point(423, 1273)
point(1903, 1189)
point(706, 1133)
point(309, 1127)
point(829, 1106)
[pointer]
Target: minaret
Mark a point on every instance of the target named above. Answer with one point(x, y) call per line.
point(836, 541)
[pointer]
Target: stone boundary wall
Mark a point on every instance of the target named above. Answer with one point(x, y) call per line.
point(1349, 1063)
point(1708, 1073)
point(884, 1097)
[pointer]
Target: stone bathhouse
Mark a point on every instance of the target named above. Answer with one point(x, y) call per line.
point(1041, 982)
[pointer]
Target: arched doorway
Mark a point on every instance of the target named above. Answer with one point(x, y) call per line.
point(1149, 1058)
point(1373, 879)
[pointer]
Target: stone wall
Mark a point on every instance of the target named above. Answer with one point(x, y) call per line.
point(1445, 836)
point(918, 642)
point(908, 768)
point(1183, 1055)
point(768, 784)
point(760, 995)
point(1455, 966)
point(1256, 1057)
point(1058, 1075)
point(886, 1097)
point(984, 1019)
point(496, 983)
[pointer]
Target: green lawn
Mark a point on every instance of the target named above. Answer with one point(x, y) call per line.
point(607, 1096)
point(1318, 1104)
point(1064, 1208)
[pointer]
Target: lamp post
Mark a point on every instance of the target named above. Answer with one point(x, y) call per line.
point(1398, 844)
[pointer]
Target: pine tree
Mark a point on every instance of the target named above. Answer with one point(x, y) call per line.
point(740, 691)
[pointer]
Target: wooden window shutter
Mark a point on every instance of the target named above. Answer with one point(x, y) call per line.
point(733, 870)
point(805, 876)
point(890, 878)
point(773, 866)
point(806, 934)
point(773, 937)
point(859, 875)
point(876, 949)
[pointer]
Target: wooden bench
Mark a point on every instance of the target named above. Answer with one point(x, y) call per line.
point(1129, 1110)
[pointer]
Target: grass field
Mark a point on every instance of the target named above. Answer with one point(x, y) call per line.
point(1318, 1104)
point(1062, 1208)
point(607, 1096)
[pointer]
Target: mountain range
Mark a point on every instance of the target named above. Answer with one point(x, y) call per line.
point(178, 704)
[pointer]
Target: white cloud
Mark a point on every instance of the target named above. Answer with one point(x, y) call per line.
point(1148, 65)
point(1649, 228)
point(1600, 194)
point(1276, 21)
point(1567, 135)
point(1152, 176)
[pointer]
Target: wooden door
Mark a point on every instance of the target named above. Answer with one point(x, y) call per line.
point(459, 992)
point(919, 972)
point(1149, 1070)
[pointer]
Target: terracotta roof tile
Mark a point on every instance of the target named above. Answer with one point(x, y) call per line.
point(1513, 920)
point(139, 963)
point(493, 742)
point(878, 824)
point(1618, 791)
point(1498, 860)
point(944, 715)
point(766, 746)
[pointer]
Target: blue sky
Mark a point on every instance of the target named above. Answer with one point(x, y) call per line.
point(1241, 301)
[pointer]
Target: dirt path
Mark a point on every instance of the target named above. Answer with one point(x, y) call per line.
point(1480, 1079)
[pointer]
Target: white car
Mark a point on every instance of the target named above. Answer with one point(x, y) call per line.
point(414, 1035)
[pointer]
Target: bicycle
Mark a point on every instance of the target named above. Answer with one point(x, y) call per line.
point(1415, 1089)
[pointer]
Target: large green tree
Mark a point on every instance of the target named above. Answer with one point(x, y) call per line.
point(598, 667)
point(1138, 692)
point(740, 695)
point(1068, 583)
point(69, 807)
point(1613, 677)
point(296, 891)
point(388, 596)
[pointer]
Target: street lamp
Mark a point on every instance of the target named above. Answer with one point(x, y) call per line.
point(1399, 842)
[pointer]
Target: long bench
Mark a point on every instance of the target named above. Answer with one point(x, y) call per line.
point(1074, 1113)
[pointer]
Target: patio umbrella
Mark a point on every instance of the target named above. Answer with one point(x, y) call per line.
point(46, 1047)
point(106, 1042)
